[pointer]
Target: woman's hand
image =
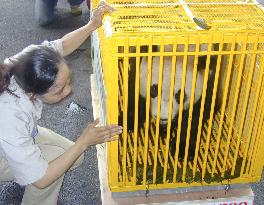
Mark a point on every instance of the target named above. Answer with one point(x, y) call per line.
point(73, 40)
point(98, 12)
point(93, 135)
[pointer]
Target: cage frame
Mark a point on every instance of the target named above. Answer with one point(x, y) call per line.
point(143, 38)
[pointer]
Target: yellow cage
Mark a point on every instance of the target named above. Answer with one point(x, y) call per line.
point(229, 145)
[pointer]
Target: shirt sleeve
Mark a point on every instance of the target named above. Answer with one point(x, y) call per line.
point(55, 45)
point(15, 58)
point(23, 156)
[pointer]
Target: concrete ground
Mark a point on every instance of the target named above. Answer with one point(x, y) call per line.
point(18, 29)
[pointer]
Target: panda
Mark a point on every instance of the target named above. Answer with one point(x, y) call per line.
point(165, 95)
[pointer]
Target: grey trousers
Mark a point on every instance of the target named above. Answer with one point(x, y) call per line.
point(51, 145)
point(44, 10)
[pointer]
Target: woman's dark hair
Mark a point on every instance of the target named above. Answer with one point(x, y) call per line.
point(4, 78)
point(37, 70)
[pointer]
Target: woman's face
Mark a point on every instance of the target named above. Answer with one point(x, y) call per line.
point(62, 86)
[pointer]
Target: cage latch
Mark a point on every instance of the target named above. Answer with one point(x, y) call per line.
point(201, 23)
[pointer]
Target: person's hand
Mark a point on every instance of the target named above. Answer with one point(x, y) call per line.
point(98, 12)
point(93, 135)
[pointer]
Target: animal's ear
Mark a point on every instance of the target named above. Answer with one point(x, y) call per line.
point(155, 48)
point(201, 62)
point(213, 62)
point(132, 63)
point(144, 49)
point(216, 46)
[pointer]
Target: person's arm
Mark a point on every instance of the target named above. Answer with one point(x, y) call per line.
point(91, 135)
point(74, 39)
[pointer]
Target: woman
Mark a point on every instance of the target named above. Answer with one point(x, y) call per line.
point(34, 156)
